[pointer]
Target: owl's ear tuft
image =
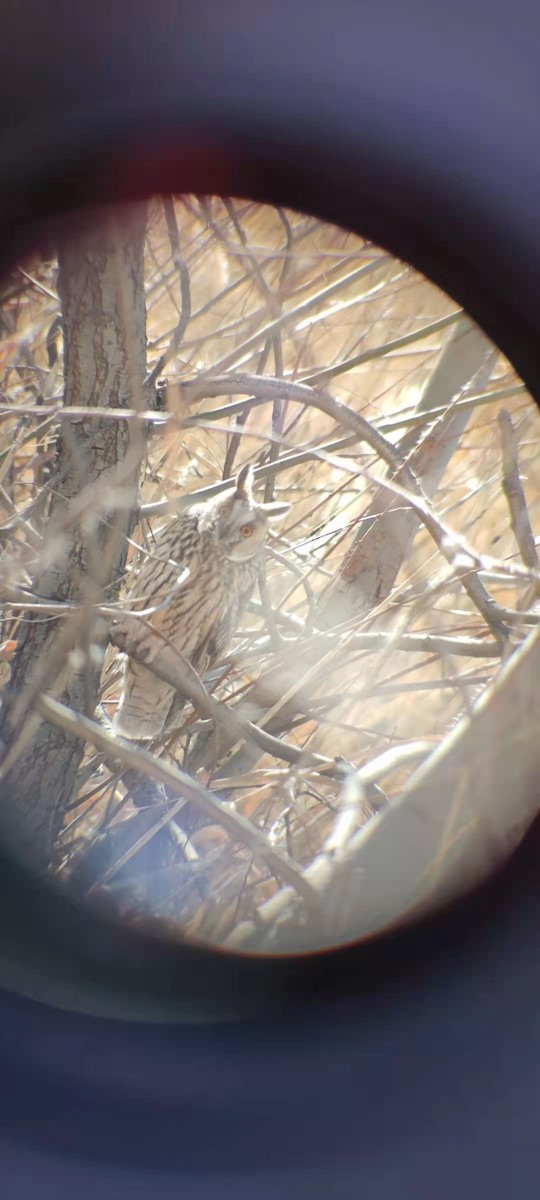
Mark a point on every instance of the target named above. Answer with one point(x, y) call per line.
point(275, 508)
point(244, 483)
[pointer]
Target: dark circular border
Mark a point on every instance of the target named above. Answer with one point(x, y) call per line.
point(404, 1064)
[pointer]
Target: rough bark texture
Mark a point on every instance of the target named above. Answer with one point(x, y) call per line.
point(388, 528)
point(101, 287)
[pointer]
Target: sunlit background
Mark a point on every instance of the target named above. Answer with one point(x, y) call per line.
point(373, 742)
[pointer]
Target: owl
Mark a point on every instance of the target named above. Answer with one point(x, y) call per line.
point(221, 543)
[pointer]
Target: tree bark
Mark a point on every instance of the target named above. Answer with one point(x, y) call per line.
point(388, 528)
point(92, 507)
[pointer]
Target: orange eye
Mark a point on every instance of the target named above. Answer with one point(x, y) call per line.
point(246, 530)
point(225, 510)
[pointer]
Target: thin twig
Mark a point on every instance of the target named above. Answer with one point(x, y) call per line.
point(336, 848)
point(152, 650)
point(513, 490)
point(452, 547)
point(185, 292)
point(239, 829)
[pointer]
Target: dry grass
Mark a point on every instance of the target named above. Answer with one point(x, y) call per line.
point(282, 295)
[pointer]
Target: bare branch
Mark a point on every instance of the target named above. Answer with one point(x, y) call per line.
point(449, 545)
point(513, 490)
point(387, 528)
point(458, 818)
point(185, 292)
point(150, 648)
point(161, 772)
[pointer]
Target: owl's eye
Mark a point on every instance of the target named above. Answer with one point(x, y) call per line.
point(225, 510)
point(246, 530)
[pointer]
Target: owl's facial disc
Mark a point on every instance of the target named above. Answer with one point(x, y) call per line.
point(246, 539)
point(241, 528)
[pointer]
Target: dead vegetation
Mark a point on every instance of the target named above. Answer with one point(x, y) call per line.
point(325, 781)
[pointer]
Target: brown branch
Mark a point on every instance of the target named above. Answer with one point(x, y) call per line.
point(53, 411)
point(185, 293)
point(273, 304)
point(294, 315)
point(452, 547)
point(426, 643)
point(238, 828)
point(386, 348)
point(102, 289)
point(149, 648)
point(475, 647)
point(513, 490)
point(457, 819)
point(386, 529)
point(335, 853)
point(241, 420)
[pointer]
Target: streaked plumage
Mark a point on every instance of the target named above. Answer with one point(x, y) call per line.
point(221, 542)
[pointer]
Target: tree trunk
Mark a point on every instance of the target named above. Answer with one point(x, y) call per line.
point(388, 527)
point(94, 493)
